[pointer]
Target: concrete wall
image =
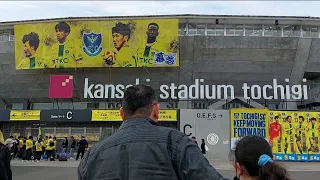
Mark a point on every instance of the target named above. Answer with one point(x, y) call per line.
point(219, 60)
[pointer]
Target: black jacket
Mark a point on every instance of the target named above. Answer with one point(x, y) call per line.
point(83, 144)
point(65, 144)
point(143, 150)
point(73, 144)
point(5, 158)
point(203, 148)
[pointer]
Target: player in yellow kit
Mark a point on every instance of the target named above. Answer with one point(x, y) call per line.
point(32, 61)
point(65, 54)
point(121, 55)
point(288, 136)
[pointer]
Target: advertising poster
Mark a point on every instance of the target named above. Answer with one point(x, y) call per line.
point(294, 135)
point(25, 115)
point(100, 43)
point(247, 122)
point(114, 115)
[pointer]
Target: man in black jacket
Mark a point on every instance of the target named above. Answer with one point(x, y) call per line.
point(5, 156)
point(143, 150)
point(82, 146)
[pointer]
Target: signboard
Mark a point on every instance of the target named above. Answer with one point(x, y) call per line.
point(211, 126)
point(103, 43)
point(25, 115)
point(247, 122)
point(294, 135)
point(4, 115)
point(114, 115)
point(65, 115)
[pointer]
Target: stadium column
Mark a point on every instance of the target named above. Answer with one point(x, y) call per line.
point(2, 104)
point(186, 75)
point(299, 67)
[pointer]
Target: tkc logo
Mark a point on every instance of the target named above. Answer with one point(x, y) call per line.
point(61, 86)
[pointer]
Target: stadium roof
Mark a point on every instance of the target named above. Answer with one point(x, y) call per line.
point(181, 16)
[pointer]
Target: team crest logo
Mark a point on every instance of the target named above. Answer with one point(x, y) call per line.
point(92, 43)
point(236, 115)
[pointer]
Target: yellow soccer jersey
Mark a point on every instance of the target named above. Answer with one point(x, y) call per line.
point(33, 62)
point(39, 146)
point(29, 144)
point(65, 55)
point(288, 129)
point(122, 58)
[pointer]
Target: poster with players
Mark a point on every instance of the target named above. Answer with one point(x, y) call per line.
point(294, 135)
point(313, 129)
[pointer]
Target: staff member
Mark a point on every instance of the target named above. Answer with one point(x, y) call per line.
point(5, 156)
point(82, 145)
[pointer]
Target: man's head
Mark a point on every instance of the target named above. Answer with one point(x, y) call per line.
point(46, 137)
point(82, 137)
point(289, 119)
point(276, 118)
point(31, 43)
point(120, 35)
point(301, 119)
point(194, 139)
point(153, 32)
point(30, 137)
point(62, 31)
point(140, 101)
point(313, 120)
point(72, 137)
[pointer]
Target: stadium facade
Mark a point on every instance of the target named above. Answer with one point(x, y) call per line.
point(213, 50)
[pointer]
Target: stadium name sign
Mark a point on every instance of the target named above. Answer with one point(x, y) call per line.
point(199, 90)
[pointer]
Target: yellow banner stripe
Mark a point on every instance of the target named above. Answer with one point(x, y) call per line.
point(25, 115)
point(114, 115)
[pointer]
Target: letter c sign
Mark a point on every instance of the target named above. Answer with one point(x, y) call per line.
point(69, 115)
point(184, 129)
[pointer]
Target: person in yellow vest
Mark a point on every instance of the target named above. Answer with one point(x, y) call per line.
point(44, 144)
point(39, 145)
point(20, 147)
point(49, 148)
point(28, 153)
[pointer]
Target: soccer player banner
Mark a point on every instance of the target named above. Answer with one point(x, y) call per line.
point(113, 43)
point(247, 122)
point(294, 135)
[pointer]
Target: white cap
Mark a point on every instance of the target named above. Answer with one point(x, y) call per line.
point(8, 141)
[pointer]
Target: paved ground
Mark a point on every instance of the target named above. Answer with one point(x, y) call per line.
point(68, 171)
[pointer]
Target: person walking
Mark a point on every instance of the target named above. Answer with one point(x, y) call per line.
point(204, 147)
point(73, 145)
point(39, 145)
point(5, 156)
point(82, 145)
point(141, 149)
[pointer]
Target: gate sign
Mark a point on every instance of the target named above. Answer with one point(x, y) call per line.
point(66, 115)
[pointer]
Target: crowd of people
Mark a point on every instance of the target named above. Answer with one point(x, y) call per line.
point(32, 150)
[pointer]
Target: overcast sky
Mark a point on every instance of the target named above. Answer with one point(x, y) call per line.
point(12, 11)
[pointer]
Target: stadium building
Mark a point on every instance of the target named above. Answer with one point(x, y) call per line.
point(221, 53)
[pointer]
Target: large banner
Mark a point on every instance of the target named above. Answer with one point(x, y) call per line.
point(294, 136)
point(114, 115)
point(24, 115)
point(247, 122)
point(114, 43)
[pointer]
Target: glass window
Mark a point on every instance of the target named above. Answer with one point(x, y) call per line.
point(272, 30)
point(192, 29)
point(229, 29)
point(238, 30)
point(291, 30)
point(306, 31)
point(182, 27)
point(248, 30)
point(253, 30)
point(314, 31)
point(215, 30)
point(201, 28)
